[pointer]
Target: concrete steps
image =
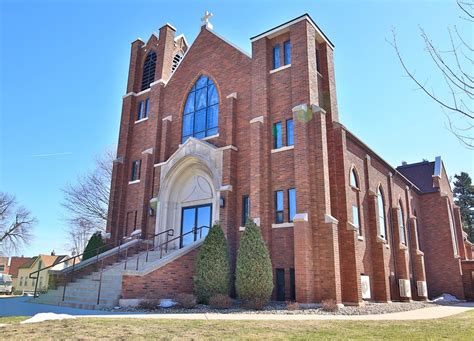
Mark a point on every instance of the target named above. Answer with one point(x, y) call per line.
point(83, 292)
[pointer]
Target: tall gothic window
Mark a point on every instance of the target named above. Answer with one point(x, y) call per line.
point(401, 225)
point(201, 111)
point(354, 183)
point(148, 70)
point(381, 214)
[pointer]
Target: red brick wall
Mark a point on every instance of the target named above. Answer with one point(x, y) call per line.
point(166, 282)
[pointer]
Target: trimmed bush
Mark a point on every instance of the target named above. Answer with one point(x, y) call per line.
point(213, 266)
point(149, 304)
point(91, 248)
point(187, 301)
point(254, 274)
point(220, 301)
point(329, 305)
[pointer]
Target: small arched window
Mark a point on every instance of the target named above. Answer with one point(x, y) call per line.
point(401, 224)
point(201, 110)
point(381, 213)
point(354, 182)
point(149, 66)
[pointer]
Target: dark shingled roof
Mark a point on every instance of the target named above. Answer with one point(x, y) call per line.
point(421, 174)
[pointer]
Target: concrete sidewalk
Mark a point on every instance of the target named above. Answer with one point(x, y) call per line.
point(419, 314)
point(19, 306)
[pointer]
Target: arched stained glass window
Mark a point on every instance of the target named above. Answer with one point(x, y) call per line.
point(381, 213)
point(201, 110)
point(148, 70)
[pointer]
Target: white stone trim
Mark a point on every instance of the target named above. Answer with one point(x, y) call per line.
point(241, 228)
point(282, 149)
point(277, 30)
point(228, 42)
point(282, 225)
point(184, 38)
point(361, 238)
point(171, 26)
point(159, 164)
point(351, 226)
point(134, 182)
point(232, 95)
point(168, 118)
point(300, 107)
point(136, 94)
point(257, 119)
point(159, 81)
point(141, 120)
point(230, 146)
point(280, 68)
point(437, 167)
point(210, 137)
point(381, 240)
point(300, 217)
point(225, 188)
point(119, 159)
point(148, 151)
point(329, 219)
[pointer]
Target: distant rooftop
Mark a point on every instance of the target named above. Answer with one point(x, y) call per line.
point(421, 174)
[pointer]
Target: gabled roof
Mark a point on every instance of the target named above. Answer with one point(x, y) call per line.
point(15, 264)
point(46, 261)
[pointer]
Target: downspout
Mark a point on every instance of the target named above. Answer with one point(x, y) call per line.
point(394, 256)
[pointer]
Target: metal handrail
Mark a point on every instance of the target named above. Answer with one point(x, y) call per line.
point(194, 230)
point(120, 243)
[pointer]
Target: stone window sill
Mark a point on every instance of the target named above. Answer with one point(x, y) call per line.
point(282, 149)
point(134, 182)
point(210, 137)
point(280, 68)
point(277, 226)
point(241, 228)
point(361, 238)
point(352, 227)
point(141, 120)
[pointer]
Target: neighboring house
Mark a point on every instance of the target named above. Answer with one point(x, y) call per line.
point(15, 263)
point(4, 268)
point(26, 284)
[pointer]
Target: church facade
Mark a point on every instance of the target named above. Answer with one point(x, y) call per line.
point(211, 134)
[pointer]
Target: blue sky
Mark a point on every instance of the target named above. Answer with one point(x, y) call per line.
point(64, 67)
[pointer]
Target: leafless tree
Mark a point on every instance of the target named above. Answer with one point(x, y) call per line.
point(87, 201)
point(16, 224)
point(455, 66)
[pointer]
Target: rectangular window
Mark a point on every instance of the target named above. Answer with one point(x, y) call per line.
point(279, 207)
point(21, 281)
point(318, 61)
point(276, 57)
point(287, 52)
point(291, 204)
point(290, 139)
point(355, 218)
point(245, 209)
point(2, 268)
point(277, 136)
point(280, 284)
point(143, 109)
point(136, 165)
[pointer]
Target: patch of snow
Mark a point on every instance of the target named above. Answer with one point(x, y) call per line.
point(47, 317)
point(446, 298)
point(167, 303)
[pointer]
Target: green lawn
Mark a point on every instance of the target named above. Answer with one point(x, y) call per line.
point(459, 327)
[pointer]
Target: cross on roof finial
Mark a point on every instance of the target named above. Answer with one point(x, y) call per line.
point(205, 20)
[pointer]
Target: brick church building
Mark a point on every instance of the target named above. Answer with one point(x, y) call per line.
point(210, 133)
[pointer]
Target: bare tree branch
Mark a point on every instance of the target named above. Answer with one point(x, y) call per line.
point(454, 65)
point(16, 224)
point(87, 201)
